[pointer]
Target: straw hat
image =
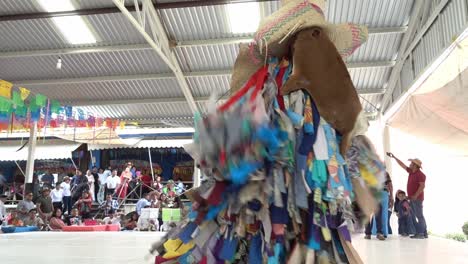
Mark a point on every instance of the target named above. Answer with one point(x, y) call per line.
point(275, 31)
point(417, 162)
point(296, 15)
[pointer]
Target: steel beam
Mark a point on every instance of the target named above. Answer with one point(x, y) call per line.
point(158, 41)
point(114, 78)
point(112, 10)
point(160, 100)
point(406, 47)
point(179, 44)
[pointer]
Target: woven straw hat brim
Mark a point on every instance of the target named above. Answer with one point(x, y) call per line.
point(296, 15)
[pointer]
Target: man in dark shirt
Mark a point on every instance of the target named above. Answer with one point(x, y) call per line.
point(44, 205)
point(95, 174)
point(415, 191)
point(48, 179)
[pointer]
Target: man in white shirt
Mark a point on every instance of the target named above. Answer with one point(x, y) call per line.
point(67, 200)
point(57, 196)
point(112, 182)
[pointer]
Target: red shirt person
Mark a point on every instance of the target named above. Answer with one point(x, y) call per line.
point(415, 190)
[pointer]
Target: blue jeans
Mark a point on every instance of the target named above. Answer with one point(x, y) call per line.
point(418, 217)
point(67, 204)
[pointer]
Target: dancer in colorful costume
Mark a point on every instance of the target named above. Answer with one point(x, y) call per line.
point(279, 180)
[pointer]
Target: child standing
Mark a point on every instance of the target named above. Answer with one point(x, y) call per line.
point(403, 211)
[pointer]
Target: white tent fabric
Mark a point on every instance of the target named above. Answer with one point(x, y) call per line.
point(48, 149)
point(172, 143)
point(437, 111)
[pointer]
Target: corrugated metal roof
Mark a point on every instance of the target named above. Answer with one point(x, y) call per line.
point(206, 85)
point(375, 13)
point(209, 57)
point(182, 24)
point(83, 65)
point(35, 34)
point(111, 90)
point(379, 47)
point(142, 111)
point(369, 78)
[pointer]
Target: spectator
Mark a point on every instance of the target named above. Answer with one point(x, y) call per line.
point(180, 187)
point(112, 182)
point(67, 200)
point(48, 179)
point(109, 205)
point(56, 222)
point(142, 203)
point(415, 190)
point(108, 171)
point(78, 179)
point(33, 220)
point(3, 182)
point(157, 184)
point(61, 174)
point(133, 182)
point(114, 219)
point(3, 213)
point(403, 212)
point(163, 200)
point(169, 190)
point(79, 185)
point(74, 218)
point(44, 205)
point(125, 178)
point(84, 205)
point(91, 182)
point(14, 219)
point(57, 196)
point(95, 191)
point(146, 180)
point(131, 223)
point(102, 186)
point(389, 188)
point(25, 206)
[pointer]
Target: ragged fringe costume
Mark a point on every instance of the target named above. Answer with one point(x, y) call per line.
point(277, 186)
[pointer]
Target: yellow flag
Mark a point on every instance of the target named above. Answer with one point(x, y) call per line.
point(24, 93)
point(5, 89)
point(122, 124)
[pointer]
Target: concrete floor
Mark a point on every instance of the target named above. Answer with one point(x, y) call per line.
point(131, 248)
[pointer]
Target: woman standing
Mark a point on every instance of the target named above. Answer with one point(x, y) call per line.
point(125, 178)
point(91, 180)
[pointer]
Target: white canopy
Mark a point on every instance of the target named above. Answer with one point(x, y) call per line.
point(48, 149)
point(169, 143)
point(437, 110)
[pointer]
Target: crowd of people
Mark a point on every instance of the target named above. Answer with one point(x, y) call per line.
point(70, 201)
point(408, 206)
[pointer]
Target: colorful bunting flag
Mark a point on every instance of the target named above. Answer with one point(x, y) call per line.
point(5, 89)
point(16, 98)
point(6, 106)
point(24, 93)
point(40, 100)
point(54, 106)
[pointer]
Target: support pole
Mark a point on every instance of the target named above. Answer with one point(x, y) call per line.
point(387, 148)
point(31, 157)
point(196, 176)
point(151, 163)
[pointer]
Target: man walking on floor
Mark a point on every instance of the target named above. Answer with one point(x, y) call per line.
point(415, 190)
